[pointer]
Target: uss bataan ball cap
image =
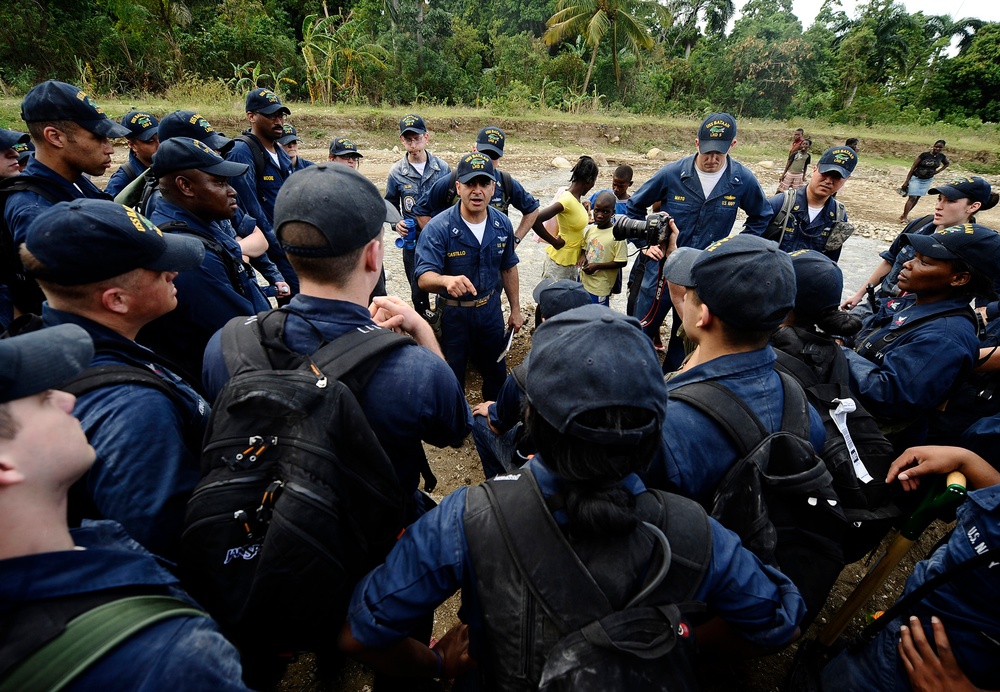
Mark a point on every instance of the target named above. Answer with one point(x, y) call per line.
point(716, 133)
point(33, 362)
point(584, 346)
point(340, 202)
point(90, 240)
point(838, 160)
point(54, 100)
point(475, 165)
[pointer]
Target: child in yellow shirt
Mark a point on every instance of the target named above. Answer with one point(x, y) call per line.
point(603, 256)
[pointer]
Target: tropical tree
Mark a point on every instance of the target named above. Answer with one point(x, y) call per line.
point(688, 14)
point(875, 47)
point(337, 52)
point(596, 19)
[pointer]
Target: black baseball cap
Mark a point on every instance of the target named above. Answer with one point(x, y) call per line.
point(9, 139)
point(291, 135)
point(716, 133)
point(34, 362)
point(412, 123)
point(972, 188)
point(52, 100)
point(841, 160)
point(344, 147)
point(584, 346)
point(343, 204)
point(819, 282)
point(142, 125)
point(475, 165)
point(490, 140)
point(191, 124)
point(265, 101)
point(976, 245)
point(555, 297)
point(744, 280)
point(185, 153)
point(90, 240)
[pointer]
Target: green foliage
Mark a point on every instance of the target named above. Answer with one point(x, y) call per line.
point(515, 99)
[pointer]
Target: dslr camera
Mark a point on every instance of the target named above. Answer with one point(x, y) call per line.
point(652, 230)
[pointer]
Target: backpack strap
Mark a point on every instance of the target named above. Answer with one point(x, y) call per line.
point(101, 376)
point(776, 229)
point(89, 637)
point(130, 171)
point(867, 346)
point(506, 185)
point(841, 211)
point(259, 154)
point(234, 267)
point(452, 192)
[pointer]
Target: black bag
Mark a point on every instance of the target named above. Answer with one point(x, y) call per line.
point(298, 500)
point(857, 454)
point(779, 496)
point(572, 637)
point(24, 292)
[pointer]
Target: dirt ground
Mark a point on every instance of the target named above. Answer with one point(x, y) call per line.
point(872, 203)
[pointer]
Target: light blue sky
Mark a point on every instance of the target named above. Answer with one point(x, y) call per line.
point(988, 10)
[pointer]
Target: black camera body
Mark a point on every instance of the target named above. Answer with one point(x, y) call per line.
point(652, 230)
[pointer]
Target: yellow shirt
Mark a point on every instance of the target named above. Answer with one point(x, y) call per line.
point(573, 220)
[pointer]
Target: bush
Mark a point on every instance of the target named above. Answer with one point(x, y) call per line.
point(514, 100)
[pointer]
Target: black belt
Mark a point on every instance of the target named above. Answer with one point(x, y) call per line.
point(477, 303)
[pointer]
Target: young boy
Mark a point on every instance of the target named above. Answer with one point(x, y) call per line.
point(794, 175)
point(603, 256)
point(621, 181)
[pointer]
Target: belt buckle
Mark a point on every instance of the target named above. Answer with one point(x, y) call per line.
point(482, 301)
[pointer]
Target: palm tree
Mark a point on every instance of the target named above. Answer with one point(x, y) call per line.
point(715, 14)
point(594, 20)
point(941, 30)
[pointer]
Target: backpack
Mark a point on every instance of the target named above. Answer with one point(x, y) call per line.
point(839, 232)
point(856, 452)
point(24, 292)
point(54, 642)
point(779, 496)
point(872, 350)
point(506, 185)
point(260, 157)
point(235, 268)
point(571, 636)
point(297, 500)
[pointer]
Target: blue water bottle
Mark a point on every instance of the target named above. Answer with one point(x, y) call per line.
point(410, 241)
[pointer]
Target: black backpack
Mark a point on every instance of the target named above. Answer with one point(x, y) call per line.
point(779, 496)
point(297, 500)
point(857, 455)
point(236, 269)
point(24, 292)
point(571, 636)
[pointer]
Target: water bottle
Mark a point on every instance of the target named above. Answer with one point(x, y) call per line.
point(410, 241)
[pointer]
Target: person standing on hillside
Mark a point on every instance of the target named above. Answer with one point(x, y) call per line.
point(921, 175)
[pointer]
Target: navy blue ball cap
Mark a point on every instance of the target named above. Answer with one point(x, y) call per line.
point(610, 363)
point(973, 188)
point(24, 150)
point(340, 202)
point(490, 141)
point(9, 139)
point(52, 100)
point(265, 101)
point(291, 135)
point(745, 280)
point(142, 125)
point(412, 123)
point(974, 244)
point(342, 146)
point(185, 153)
point(819, 282)
point(555, 297)
point(716, 133)
point(34, 362)
point(191, 124)
point(91, 240)
point(475, 165)
point(838, 160)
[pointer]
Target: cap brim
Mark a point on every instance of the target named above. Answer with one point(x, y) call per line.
point(486, 147)
point(105, 127)
point(542, 285)
point(949, 191)
point(217, 141)
point(833, 168)
point(43, 359)
point(677, 270)
point(183, 253)
point(392, 215)
point(413, 130)
point(148, 133)
point(714, 146)
point(288, 139)
point(227, 169)
point(928, 246)
point(7, 141)
point(468, 177)
point(274, 108)
point(348, 152)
